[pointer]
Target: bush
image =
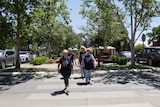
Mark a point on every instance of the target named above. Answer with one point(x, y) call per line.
point(57, 60)
point(49, 61)
point(120, 60)
point(139, 47)
point(39, 60)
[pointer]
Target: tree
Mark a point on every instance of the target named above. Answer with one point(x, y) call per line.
point(5, 33)
point(101, 19)
point(17, 13)
point(154, 35)
point(142, 11)
point(48, 18)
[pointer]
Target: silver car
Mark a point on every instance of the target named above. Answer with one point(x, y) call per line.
point(7, 57)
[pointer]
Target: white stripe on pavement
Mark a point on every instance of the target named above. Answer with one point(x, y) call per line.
point(82, 95)
point(113, 105)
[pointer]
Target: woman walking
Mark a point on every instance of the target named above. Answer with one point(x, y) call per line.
point(65, 67)
point(81, 54)
point(88, 63)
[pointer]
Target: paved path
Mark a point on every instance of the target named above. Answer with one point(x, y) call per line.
point(107, 90)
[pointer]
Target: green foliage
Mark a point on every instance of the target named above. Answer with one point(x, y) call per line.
point(139, 47)
point(154, 35)
point(17, 13)
point(143, 12)
point(101, 21)
point(39, 60)
point(49, 61)
point(120, 60)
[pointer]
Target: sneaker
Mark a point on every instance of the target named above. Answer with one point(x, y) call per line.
point(89, 83)
point(66, 91)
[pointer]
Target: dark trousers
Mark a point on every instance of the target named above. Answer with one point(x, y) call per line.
point(66, 81)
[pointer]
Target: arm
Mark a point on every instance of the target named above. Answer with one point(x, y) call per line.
point(72, 65)
point(94, 60)
point(82, 63)
point(59, 64)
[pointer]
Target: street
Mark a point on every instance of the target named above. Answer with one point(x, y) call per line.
point(108, 89)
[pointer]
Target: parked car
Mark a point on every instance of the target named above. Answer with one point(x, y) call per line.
point(151, 55)
point(25, 56)
point(126, 54)
point(7, 57)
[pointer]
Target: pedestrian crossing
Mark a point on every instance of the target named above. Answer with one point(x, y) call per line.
point(96, 95)
point(119, 105)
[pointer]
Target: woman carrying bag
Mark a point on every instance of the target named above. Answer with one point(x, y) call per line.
point(88, 63)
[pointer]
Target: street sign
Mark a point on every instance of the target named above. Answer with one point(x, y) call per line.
point(143, 37)
point(30, 46)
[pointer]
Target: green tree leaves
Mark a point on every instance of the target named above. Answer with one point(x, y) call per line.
point(154, 35)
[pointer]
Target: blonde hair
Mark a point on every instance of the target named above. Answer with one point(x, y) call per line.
point(70, 49)
point(89, 49)
point(83, 47)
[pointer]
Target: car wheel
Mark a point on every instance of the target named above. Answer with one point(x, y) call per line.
point(14, 63)
point(3, 65)
point(27, 60)
point(150, 62)
point(137, 60)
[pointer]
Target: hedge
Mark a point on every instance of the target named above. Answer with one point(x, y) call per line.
point(39, 60)
point(120, 60)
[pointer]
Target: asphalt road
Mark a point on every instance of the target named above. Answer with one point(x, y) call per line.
point(108, 89)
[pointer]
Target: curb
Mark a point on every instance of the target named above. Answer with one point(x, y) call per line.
point(25, 73)
point(131, 70)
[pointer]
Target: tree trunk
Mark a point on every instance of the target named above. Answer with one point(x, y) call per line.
point(132, 53)
point(17, 45)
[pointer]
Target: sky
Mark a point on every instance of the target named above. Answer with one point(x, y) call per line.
point(77, 20)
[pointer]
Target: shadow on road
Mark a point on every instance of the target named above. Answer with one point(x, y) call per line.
point(150, 78)
point(58, 93)
point(7, 81)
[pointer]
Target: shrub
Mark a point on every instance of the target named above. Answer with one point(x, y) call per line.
point(57, 60)
point(139, 47)
point(49, 61)
point(39, 60)
point(120, 60)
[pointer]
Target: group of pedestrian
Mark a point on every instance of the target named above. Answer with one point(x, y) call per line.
point(87, 63)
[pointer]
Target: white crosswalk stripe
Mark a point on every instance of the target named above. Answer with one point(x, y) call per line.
point(98, 92)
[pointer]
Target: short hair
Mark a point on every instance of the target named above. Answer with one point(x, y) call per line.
point(83, 47)
point(65, 51)
point(70, 49)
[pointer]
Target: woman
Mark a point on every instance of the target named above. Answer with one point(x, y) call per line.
point(71, 55)
point(65, 67)
point(81, 54)
point(88, 63)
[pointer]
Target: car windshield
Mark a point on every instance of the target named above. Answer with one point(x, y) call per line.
point(1, 53)
point(158, 50)
point(23, 53)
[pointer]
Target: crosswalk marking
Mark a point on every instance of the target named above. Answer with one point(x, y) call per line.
point(114, 105)
point(84, 95)
point(123, 105)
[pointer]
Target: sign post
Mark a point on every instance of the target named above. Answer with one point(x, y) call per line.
point(143, 39)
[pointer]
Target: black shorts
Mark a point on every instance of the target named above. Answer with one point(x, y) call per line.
point(66, 73)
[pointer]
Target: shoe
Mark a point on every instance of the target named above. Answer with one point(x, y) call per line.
point(89, 83)
point(66, 91)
